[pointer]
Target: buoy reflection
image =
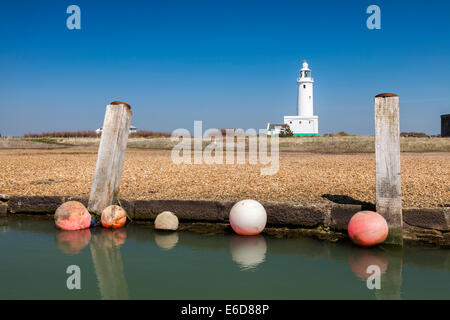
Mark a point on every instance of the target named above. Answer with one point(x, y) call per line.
point(166, 240)
point(248, 251)
point(360, 259)
point(72, 241)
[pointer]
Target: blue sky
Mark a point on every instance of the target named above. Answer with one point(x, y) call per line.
point(232, 64)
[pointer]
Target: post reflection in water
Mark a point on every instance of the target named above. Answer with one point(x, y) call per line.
point(105, 250)
point(360, 259)
point(248, 251)
point(391, 283)
point(3, 224)
point(166, 240)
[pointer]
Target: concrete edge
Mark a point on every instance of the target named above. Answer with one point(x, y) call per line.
point(330, 216)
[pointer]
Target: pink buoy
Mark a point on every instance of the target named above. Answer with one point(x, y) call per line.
point(72, 215)
point(248, 217)
point(367, 228)
point(114, 217)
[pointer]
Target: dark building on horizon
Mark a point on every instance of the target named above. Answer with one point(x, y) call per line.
point(445, 125)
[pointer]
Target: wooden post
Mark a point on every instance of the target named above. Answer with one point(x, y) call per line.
point(111, 155)
point(387, 154)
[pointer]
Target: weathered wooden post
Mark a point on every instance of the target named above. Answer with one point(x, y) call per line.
point(387, 154)
point(111, 155)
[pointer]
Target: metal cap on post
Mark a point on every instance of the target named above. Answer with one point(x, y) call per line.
point(120, 102)
point(111, 156)
point(387, 155)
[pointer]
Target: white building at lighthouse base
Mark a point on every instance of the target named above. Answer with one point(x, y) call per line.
point(303, 125)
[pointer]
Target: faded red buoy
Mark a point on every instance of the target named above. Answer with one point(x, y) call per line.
point(114, 217)
point(367, 228)
point(72, 215)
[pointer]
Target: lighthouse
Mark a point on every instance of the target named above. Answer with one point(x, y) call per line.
point(305, 123)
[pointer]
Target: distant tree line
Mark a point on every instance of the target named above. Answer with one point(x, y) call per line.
point(92, 134)
point(63, 134)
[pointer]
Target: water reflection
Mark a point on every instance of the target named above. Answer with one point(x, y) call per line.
point(391, 282)
point(166, 240)
point(344, 279)
point(105, 251)
point(390, 264)
point(106, 257)
point(360, 259)
point(3, 224)
point(248, 251)
point(72, 242)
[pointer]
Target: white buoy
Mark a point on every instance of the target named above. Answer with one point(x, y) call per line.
point(248, 217)
point(166, 221)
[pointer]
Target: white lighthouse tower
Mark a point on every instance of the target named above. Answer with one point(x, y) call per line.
point(305, 123)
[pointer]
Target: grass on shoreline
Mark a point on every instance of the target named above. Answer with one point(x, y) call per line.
point(42, 140)
point(330, 144)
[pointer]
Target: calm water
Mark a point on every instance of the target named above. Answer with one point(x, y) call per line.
point(139, 263)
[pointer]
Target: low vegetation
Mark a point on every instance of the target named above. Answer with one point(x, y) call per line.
point(286, 131)
point(414, 134)
point(332, 143)
point(148, 134)
point(339, 134)
point(42, 140)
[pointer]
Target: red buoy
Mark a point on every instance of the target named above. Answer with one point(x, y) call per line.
point(367, 228)
point(72, 215)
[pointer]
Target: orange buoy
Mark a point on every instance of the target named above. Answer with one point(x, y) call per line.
point(72, 215)
point(367, 228)
point(114, 217)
